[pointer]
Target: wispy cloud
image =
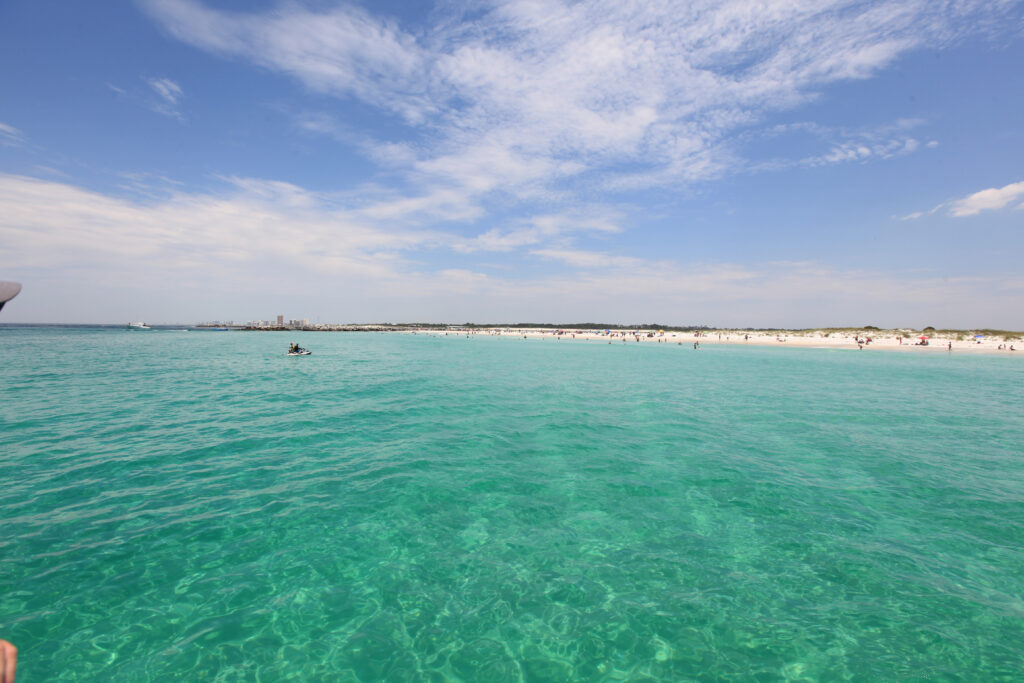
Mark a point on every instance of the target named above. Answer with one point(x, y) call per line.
point(524, 98)
point(542, 229)
point(168, 96)
point(841, 145)
point(987, 200)
point(50, 171)
point(10, 136)
point(52, 224)
point(579, 258)
point(991, 199)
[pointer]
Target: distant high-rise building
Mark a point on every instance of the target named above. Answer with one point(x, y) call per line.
point(280, 321)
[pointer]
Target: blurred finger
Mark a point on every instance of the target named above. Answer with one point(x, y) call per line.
point(8, 661)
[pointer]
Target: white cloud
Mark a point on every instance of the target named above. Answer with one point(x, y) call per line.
point(343, 51)
point(984, 200)
point(259, 242)
point(168, 94)
point(987, 200)
point(10, 136)
point(862, 152)
point(545, 228)
point(55, 225)
point(844, 145)
point(588, 259)
point(437, 205)
point(520, 97)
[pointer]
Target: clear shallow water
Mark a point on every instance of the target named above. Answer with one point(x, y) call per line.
point(197, 506)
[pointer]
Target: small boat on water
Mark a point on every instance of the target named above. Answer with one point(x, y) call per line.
point(139, 326)
point(296, 350)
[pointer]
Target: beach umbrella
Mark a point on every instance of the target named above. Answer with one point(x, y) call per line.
point(922, 337)
point(979, 336)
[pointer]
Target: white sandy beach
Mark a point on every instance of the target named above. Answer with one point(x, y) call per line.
point(863, 340)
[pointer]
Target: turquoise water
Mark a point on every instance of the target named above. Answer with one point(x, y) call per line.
point(197, 506)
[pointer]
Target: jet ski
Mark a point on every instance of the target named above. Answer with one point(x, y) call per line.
point(300, 352)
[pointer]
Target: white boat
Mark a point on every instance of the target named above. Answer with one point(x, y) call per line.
point(300, 352)
point(139, 326)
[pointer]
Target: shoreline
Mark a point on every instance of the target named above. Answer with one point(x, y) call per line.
point(819, 340)
point(946, 341)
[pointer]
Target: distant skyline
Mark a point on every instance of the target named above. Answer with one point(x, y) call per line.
point(733, 163)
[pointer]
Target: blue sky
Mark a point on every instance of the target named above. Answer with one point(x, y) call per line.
point(797, 163)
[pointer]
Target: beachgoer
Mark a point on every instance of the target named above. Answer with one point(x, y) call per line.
point(950, 347)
